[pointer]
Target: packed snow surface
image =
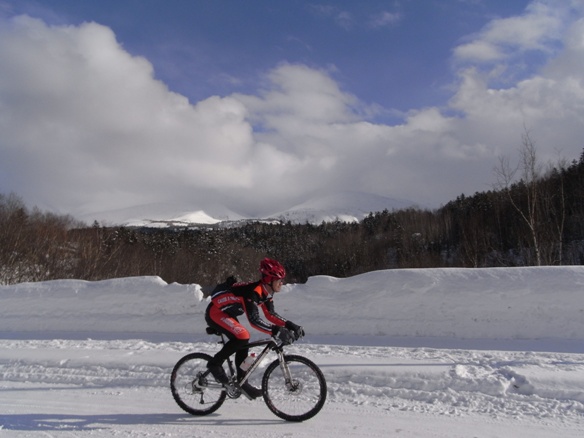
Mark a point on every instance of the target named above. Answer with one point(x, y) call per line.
point(409, 353)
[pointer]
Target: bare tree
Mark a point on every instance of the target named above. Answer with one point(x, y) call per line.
point(530, 172)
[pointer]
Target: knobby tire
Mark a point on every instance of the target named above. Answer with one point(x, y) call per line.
point(306, 395)
point(189, 387)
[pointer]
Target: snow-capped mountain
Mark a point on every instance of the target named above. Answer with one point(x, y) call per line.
point(163, 215)
point(345, 207)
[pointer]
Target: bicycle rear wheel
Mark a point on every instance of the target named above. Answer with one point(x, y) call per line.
point(300, 398)
point(193, 388)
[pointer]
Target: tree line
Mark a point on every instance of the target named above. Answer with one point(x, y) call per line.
point(532, 216)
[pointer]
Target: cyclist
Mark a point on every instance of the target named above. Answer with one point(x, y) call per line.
point(230, 300)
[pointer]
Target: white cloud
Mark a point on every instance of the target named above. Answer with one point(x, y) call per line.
point(384, 19)
point(81, 116)
point(86, 127)
point(537, 29)
point(342, 18)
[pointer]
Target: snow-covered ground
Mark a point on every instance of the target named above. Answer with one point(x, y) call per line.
point(408, 353)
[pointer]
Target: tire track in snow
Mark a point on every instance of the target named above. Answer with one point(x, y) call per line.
point(453, 382)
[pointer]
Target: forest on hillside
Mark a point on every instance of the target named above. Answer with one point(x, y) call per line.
point(533, 216)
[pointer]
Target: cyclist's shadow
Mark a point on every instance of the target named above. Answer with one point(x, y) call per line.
point(64, 422)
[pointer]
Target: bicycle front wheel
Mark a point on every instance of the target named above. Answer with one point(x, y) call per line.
point(299, 396)
point(193, 388)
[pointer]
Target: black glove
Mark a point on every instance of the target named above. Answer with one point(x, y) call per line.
point(283, 334)
point(298, 331)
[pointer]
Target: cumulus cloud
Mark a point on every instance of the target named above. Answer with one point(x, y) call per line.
point(86, 127)
point(84, 120)
point(537, 29)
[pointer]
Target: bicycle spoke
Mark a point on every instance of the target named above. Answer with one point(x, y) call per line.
point(298, 398)
point(194, 390)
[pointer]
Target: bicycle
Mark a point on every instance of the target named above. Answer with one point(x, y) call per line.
point(293, 386)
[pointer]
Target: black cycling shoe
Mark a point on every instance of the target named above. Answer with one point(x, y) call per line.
point(250, 391)
point(218, 373)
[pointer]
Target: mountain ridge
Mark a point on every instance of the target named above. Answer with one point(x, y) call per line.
point(343, 207)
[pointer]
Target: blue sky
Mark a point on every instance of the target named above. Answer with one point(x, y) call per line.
point(397, 54)
point(260, 105)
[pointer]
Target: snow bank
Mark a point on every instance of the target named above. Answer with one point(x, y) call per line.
point(499, 303)
point(125, 305)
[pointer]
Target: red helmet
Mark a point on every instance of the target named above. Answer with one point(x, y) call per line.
point(271, 270)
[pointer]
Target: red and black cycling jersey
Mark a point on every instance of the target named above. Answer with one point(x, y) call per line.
point(248, 298)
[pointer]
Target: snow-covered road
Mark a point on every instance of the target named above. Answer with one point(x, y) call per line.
point(120, 387)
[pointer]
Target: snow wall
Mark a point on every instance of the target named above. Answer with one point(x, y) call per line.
point(488, 303)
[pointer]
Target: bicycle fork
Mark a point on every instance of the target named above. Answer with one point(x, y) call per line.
point(291, 385)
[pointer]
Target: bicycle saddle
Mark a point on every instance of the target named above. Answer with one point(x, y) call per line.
point(212, 331)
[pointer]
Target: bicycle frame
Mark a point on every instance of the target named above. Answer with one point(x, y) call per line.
point(270, 345)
